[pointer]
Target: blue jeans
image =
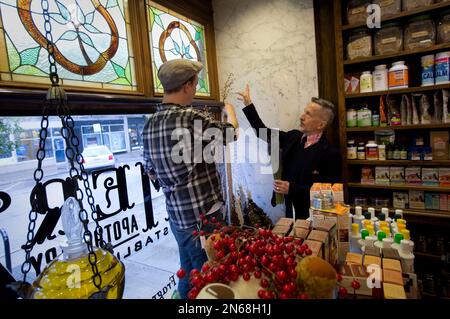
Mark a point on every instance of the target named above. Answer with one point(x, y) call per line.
point(192, 256)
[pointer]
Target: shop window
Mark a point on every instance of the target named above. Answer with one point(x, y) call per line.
point(28, 145)
point(93, 47)
point(173, 36)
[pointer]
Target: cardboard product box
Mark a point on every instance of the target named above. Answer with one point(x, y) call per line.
point(443, 202)
point(281, 230)
point(354, 259)
point(302, 223)
point(326, 189)
point(314, 190)
point(413, 175)
point(390, 253)
point(430, 176)
point(392, 277)
point(315, 246)
point(397, 175)
point(436, 198)
point(372, 251)
point(354, 272)
point(417, 199)
point(285, 221)
point(367, 175)
point(400, 200)
point(439, 144)
point(444, 176)
point(371, 260)
point(382, 175)
point(391, 264)
point(330, 227)
point(392, 291)
point(342, 221)
point(338, 192)
point(428, 200)
point(301, 233)
point(321, 236)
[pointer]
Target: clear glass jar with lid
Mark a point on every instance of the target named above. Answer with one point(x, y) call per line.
point(420, 32)
point(389, 39)
point(389, 7)
point(415, 4)
point(443, 29)
point(359, 44)
point(357, 11)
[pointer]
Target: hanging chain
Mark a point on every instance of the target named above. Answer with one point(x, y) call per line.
point(56, 98)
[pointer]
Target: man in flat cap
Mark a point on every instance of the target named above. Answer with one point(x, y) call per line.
point(190, 183)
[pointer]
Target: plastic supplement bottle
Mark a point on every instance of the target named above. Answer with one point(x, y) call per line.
point(380, 78)
point(365, 82)
point(398, 76)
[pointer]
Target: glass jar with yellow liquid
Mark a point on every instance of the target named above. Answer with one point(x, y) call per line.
point(70, 276)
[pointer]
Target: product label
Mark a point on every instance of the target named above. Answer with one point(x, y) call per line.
point(358, 10)
point(366, 84)
point(419, 34)
point(351, 119)
point(351, 152)
point(398, 78)
point(427, 74)
point(442, 70)
point(372, 153)
point(364, 118)
point(388, 40)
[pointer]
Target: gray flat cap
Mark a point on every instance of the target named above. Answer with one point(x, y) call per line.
point(175, 73)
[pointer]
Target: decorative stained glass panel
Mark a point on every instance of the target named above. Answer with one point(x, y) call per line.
point(92, 39)
point(173, 36)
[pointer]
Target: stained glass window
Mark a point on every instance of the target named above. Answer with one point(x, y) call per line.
point(173, 36)
point(92, 39)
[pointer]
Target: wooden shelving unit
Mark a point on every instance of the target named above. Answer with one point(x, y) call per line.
point(427, 256)
point(400, 163)
point(351, 168)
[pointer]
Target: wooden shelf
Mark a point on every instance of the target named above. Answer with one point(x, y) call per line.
point(400, 54)
point(400, 162)
point(426, 255)
point(427, 9)
point(419, 212)
point(402, 187)
point(399, 127)
point(399, 91)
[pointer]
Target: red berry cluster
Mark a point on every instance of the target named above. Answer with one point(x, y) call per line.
point(247, 251)
point(343, 291)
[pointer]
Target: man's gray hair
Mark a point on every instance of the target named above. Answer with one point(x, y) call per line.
point(327, 106)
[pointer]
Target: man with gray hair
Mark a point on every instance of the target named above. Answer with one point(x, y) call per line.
point(306, 156)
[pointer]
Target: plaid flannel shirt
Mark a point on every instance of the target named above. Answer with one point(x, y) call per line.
point(191, 187)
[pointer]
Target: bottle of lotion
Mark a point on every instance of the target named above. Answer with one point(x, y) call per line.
point(407, 256)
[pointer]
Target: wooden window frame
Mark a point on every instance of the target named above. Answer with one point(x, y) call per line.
point(24, 99)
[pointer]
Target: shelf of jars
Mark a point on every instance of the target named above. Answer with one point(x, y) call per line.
point(399, 162)
point(399, 127)
point(428, 256)
point(399, 91)
point(401, 187)
point(401, 15)
point(419, 212)
point(405, 53)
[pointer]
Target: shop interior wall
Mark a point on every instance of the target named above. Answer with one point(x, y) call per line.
point(269, 44)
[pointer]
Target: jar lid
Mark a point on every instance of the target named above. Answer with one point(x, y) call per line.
point(387, 132)
point(351, 141)
point(390, 25)
point(360, 30)
point(380, 67)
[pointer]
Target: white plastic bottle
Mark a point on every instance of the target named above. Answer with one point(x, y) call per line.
point(387, 242)
point(398, 76)
point(358, 217)
point(379, 243)
point(364, 234)
point(380, 78)
point(355, 246)
point(385, 211)
point(365, 82)
point(399, 212)
point(406, 236)
point(397, 239)
point(380, 222)
point(373, 218)
point(407, 257)
point(368, 242)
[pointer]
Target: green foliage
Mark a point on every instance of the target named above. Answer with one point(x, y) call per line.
point(6, 129)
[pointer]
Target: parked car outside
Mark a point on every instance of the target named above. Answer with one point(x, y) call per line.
point(96, 157)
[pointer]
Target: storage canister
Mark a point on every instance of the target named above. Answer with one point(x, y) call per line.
point(398, 75)
point(389, 7)
point(443, 29)
point(365, 82)
point(420, 32)
point(359, 44)
point(364, 117)
point(380, 78)
point(352, 117)
point(414, 4)
point(442, 66)
point(427, 70)
point(357, 11)
point(389, 39)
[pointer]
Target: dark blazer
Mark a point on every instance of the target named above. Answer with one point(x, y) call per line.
point(301, 167)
